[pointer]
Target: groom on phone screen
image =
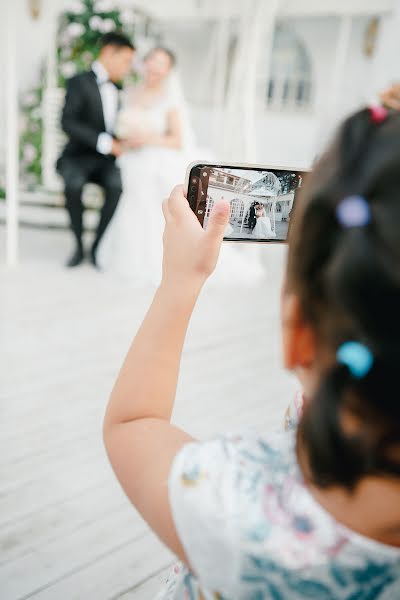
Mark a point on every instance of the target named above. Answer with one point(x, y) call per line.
point(89, 118)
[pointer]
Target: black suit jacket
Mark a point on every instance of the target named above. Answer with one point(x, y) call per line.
point(252, 216)
point(82, 117)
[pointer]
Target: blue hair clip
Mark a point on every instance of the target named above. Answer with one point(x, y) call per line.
point(357, 358)
point(353, 211)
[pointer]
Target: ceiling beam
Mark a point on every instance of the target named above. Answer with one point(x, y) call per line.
point(200, 10)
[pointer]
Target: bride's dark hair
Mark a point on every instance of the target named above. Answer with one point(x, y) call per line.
point(347, 280)
point(166, 51)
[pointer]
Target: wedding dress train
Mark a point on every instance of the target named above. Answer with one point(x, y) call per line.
point(263, 229)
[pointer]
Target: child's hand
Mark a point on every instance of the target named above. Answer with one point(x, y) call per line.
point(190, 253)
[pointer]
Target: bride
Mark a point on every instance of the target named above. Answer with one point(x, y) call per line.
point(263, 228)
point(158, 147)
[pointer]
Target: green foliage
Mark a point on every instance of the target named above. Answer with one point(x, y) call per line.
point(31, 135)
point(80, 33)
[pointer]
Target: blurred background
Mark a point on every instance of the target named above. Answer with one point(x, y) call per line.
point(265, 82)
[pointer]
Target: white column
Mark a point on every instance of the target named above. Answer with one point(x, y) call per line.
point(274, 214)
point(11, 137)
point(256, 26)
point(339, 63)
point(260, 40)
point(328, 108)
point(52, 101)
point(221, 69)
point(232, 133)
point(247, 204)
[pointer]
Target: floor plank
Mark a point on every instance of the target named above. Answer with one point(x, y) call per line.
point(66, 530)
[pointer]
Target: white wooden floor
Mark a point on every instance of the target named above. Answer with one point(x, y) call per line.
point(66, 530)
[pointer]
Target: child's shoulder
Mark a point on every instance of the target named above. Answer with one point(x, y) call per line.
point(223, 493)
point(239, 464)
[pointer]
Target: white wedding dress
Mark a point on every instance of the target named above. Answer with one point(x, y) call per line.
point(132, 245)
point(263, 228)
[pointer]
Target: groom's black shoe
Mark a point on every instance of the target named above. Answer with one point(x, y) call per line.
point(76, 259)
point(92, 257)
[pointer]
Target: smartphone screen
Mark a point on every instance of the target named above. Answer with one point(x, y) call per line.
point(261, 200)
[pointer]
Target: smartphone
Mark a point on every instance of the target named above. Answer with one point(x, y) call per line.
point(261, 198)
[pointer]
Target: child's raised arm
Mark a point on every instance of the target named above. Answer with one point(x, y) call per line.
point(140, 441)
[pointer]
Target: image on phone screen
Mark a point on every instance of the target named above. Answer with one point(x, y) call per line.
point(261, 200)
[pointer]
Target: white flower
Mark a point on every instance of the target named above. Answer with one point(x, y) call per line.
point(107, 25)
point(76, 8)
point(68, 69)
point(65, 39)
point(30, 99)
point(128, 17)
point(104, 5)
point(95, 23)
point(29, 153)
point(75, 29)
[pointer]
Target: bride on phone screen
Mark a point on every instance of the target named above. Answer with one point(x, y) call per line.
point(263, 228)
point(157, 135)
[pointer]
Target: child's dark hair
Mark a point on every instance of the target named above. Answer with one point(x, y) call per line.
point(116, 39)
point(348, 282)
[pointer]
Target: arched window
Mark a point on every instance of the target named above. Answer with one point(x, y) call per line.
point(290, 86)
point(237, 209)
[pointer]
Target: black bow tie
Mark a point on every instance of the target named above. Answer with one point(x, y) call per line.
point(117, 85)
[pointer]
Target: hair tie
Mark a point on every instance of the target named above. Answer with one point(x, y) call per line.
point(378, 113)
point(353, 211)
point(356, 357)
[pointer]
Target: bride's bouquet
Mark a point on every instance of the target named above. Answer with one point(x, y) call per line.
point(130, 122)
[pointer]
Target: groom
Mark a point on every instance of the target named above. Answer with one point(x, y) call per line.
point(89, 118)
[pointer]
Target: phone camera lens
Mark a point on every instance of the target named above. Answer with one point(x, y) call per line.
point(192, 198)
point(193, 188)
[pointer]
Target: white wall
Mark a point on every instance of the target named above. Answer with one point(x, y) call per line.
point(295, 139)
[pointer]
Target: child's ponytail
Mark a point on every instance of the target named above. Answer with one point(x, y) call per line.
point(344, 265)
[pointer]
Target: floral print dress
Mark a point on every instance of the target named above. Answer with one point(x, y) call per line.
point(252, 531)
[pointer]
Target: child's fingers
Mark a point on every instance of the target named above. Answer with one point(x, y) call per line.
point(179, 207)
point(165, 210)
point(218, 220)
point(177, 203)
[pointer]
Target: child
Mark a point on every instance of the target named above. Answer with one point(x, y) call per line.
point(310, 515)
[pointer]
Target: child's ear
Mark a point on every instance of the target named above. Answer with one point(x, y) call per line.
point(299, 344)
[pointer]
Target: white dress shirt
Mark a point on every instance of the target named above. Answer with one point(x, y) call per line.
point(109, 99)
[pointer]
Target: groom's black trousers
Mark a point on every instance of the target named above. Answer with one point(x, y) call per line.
point(76, 172)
